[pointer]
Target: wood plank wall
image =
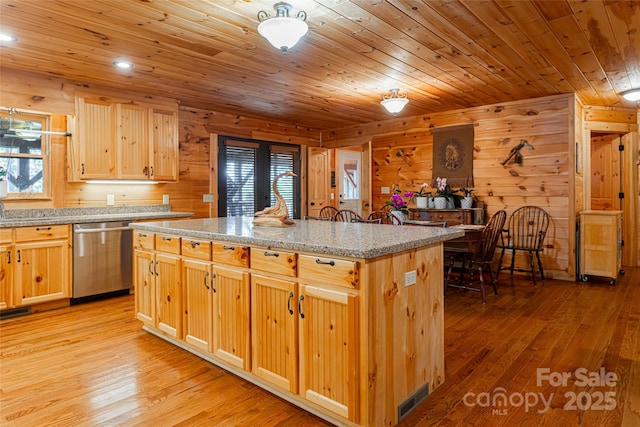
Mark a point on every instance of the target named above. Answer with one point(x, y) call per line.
point(57, 96)
point(547, 177)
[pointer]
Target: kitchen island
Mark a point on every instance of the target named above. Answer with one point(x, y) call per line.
point(342, 319)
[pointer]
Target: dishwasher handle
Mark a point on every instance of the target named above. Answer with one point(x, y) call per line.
point(101, 230)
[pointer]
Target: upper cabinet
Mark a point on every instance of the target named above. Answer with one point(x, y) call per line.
point(119, 139)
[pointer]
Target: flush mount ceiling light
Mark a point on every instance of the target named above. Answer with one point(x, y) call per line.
point(123, 65)
point(631, 95)
point(282, 31)
point(394, 101)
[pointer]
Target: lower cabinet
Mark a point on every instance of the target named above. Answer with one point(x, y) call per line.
point(6, 276)
point(198, 314)
point(168, 285)
point(231, 333)
point(41, 271)
point(274, 331)
point(328, 349)
point(144, 281)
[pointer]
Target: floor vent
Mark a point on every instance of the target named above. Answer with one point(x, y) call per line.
point(5, 314)
point(407, 406)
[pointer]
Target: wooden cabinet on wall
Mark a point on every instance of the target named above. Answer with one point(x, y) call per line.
point(121, 139)
point(35, 265)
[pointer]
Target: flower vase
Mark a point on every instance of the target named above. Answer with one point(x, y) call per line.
point(399, 216)
point(422, 202)
point(440, 202)
point(4, 185)
point(451, 204)
point(466, 202)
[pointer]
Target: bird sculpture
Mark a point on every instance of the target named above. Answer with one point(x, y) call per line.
point(278, 214)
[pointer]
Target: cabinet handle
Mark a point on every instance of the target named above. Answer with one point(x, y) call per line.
point(206, 274)
point(168, 239)
point(143, 235)
point(8, 257)
point(289, 303)
point(19, 250)
point(331, 263)
point(82, 168)
point(145, 171)
point(213, 277)
point(156, 269)
point(275, 254)
point(300, 306)
point(194, 244)
point(151, 170)
point(228, 248)
point(151, 268)
point(43, 228)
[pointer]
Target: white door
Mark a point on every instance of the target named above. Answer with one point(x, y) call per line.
point(349, 179)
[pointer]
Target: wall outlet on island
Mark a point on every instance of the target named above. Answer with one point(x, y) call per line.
point(410, 278)
point(111, 200)
point(165, 199)
point(207, 198)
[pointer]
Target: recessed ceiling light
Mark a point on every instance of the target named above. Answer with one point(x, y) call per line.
point(125, 65)
point(7, 38)
point(631, 95)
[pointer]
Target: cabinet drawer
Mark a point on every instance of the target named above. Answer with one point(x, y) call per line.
point(5, 235)
point(42, 232)
point(143, 240)
point(199, 249)
point(326, 270)
point(168, 244)
point(274, 261)
point(230, 254)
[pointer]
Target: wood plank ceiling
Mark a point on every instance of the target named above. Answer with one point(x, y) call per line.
point(446, 54)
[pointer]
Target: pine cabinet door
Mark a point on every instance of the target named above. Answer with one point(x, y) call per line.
point(196, 276)
point(133, 141)
point(231, 341)
point(274, 327)
point(169, 294)
point(329, 349)
point(164, 143)
point(41, 271)
point(144, 282)
point(6, 276)
point(95, 139)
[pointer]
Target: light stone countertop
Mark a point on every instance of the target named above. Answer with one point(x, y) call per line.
point(38, 217)
point(354, 240)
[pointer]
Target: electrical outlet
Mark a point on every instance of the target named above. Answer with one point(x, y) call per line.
point(410, 278)
point(165, 199)
point(111, 200)
point(207, 198)
point(385, 190)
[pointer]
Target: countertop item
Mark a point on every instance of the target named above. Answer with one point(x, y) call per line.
point(357, 240)
point(36, 217)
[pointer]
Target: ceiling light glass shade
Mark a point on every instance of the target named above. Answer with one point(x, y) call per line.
point(394, 101)
point(282, 31)
point(631, 95)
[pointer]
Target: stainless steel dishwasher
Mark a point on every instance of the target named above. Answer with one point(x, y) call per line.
point(102, 257)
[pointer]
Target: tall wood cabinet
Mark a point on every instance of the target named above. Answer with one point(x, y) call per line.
point(123, 139)
point(600, 244)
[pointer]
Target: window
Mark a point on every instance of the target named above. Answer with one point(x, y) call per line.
point(24, 152)
point(248, 168)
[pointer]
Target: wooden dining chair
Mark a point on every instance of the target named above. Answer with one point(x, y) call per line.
point(346, 215)
point(328, 212)
point(385, 217)
point(526, 231)
point(474, 265)
point(317, 218)
point(367, 221)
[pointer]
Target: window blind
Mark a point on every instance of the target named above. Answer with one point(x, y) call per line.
point(240, 180)
point(283, 161)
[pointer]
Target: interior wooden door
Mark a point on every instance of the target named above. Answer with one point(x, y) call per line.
point(605, 172)
point(348, 177)
point(319, 179)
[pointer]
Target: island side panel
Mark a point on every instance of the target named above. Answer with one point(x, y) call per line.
point(405, 337)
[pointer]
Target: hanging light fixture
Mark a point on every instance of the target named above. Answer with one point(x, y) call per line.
point(282, 31)
point(631, 95)
point(394, 101)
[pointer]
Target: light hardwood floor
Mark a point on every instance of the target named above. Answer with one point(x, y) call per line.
point(92, 365)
